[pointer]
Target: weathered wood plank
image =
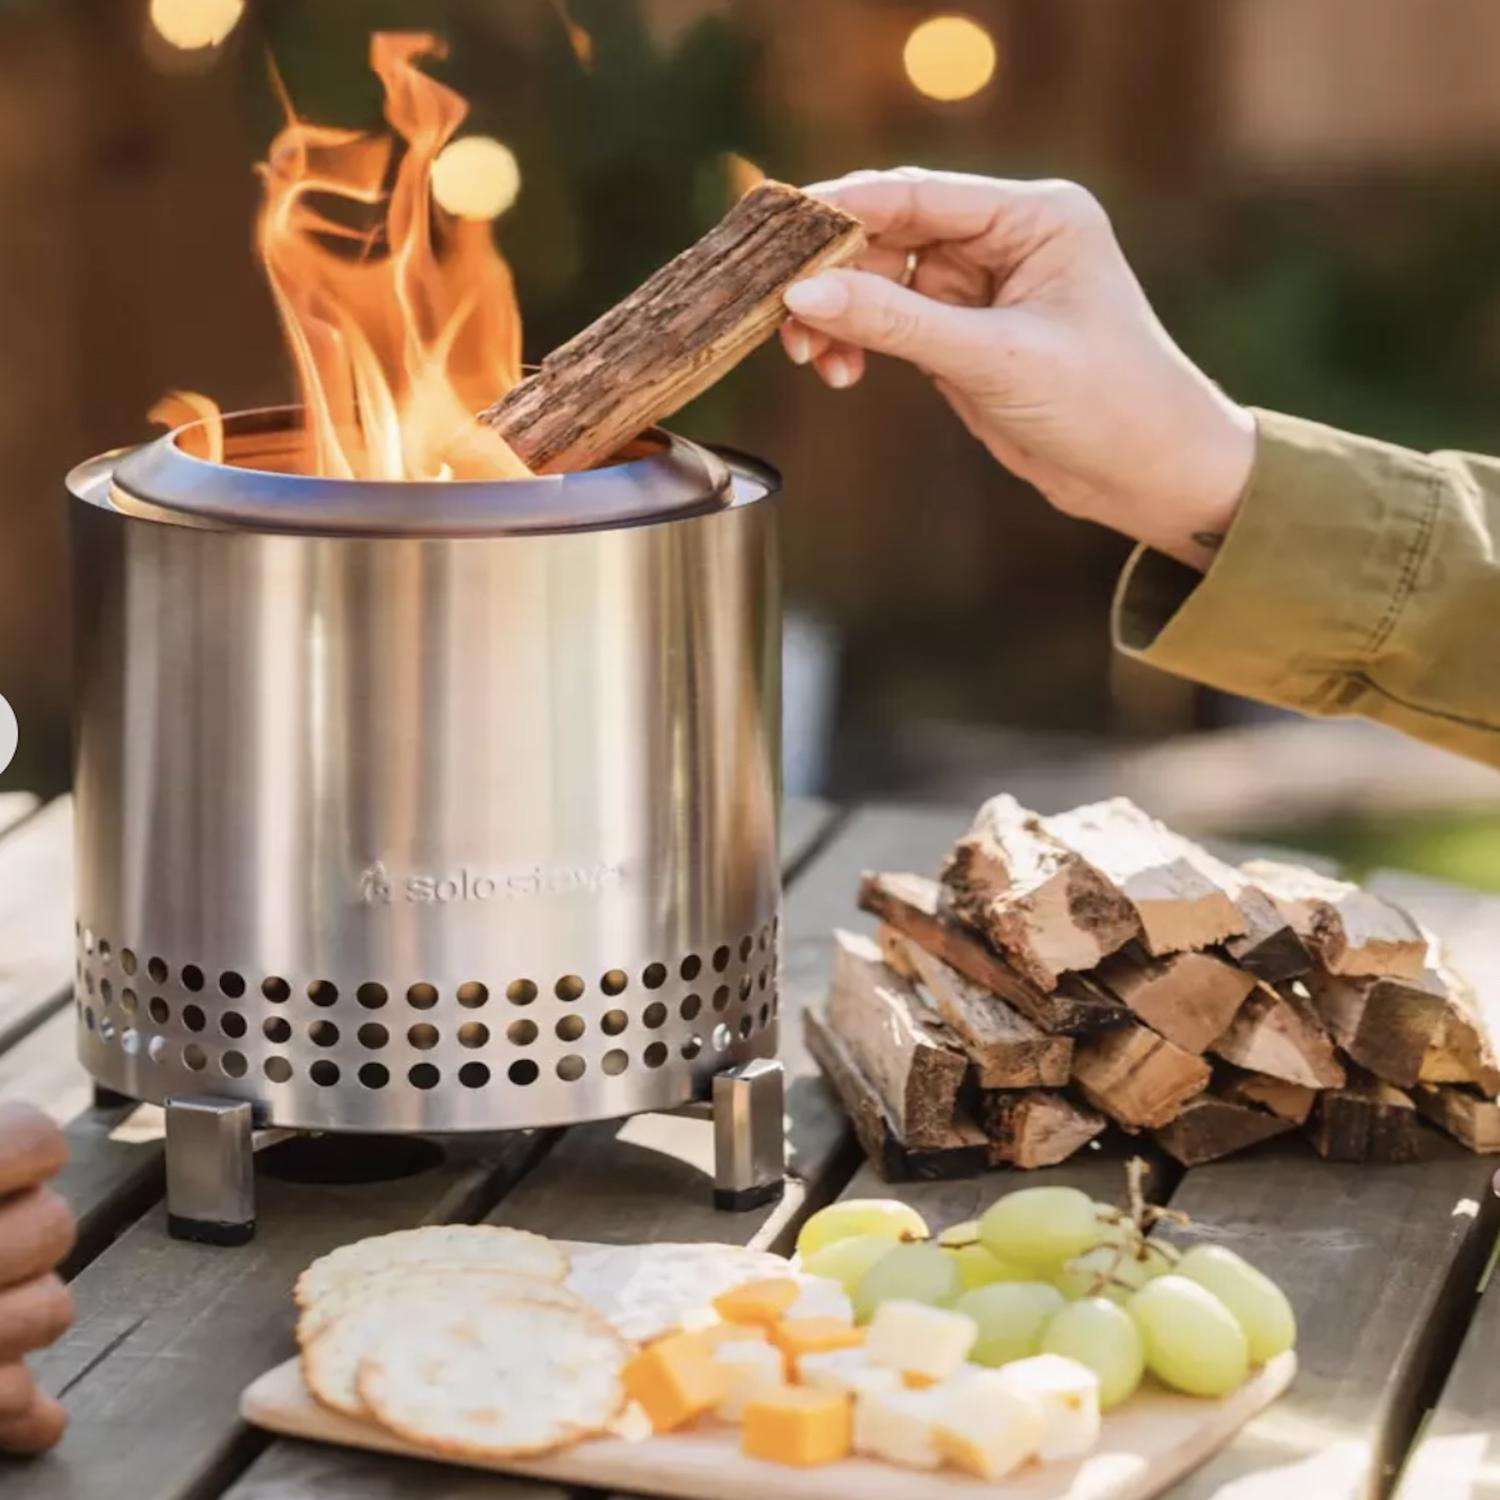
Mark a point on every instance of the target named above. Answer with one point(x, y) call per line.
point(36, 918)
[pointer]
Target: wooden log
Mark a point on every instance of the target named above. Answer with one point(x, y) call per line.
point(1190, 998)
point(913, 1062)
point(1366, 1120)
point(1463, 1051)
point(1278, 1032)
point(1269, 947)
point(1007, 1050)
point(1351, 930)
point(1210, 1127)
point(676, 334)
point(1139, 1079)
point(1035, 1127)
point(965, 1151)
point(912, 905)
point(1046, 907)
point(1182, 896)
point(1388, 1026)
point(1291, 1101)
point(1471, 1119)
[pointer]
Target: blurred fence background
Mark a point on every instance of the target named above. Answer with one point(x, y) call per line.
point(1310, 189)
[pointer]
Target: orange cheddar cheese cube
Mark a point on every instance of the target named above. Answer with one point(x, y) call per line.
point(797, 1425)
point(675, 1379)
point(798, 1336)
point(759, 1302)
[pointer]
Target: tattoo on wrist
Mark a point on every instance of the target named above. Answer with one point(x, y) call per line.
point(1210, 541)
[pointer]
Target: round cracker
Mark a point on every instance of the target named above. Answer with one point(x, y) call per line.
point(344, 1296)
point(493, 1245)
point(503, 1379)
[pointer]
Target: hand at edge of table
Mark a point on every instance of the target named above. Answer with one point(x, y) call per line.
point(36, 1232)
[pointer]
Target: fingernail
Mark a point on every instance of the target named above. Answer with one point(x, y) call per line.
point(798, 345)
point(839, 373)
point(817, 297)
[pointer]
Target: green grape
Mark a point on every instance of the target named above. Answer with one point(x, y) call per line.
point(848, 1260)
point(1191, 1339)
point(912, 1273)
point(1010, 1316)
point(1083, 1276)
point(1258, 1304)
point(1099, 1334)
point(1041, 1227)
point(959, 1234)
point(852, 1216)
point(977, 1267)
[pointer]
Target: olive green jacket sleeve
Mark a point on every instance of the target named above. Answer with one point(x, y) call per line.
point(1357, 578)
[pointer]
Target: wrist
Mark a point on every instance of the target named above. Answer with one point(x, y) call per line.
point(1191, 524)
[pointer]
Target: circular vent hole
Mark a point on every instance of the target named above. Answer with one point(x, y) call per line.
point(520, 992)
point(614, 1062)
point(521, 1033)
point(130, 1041)
point(106, 1029)
point(373, 1035)
point(128, 1002)
point(127, 960)
point(472, 994)
point(324, 1073)
point(473, 1075)
point(158, 1010)
point(88, 939)
point(721, 1037)
point(193, 1018)
point(690, 1007)
point(422, 996)
point(765, 939)
point(745, 1025)
point(522, 1072)
point(276, 1029)
point(88, 1018)
point(762, 979)
point(234, 1064)
point(570, 1028)
point(655, 976)
point(721, 959)
point(765, 1016)
point(614, 982)
point(106, 990)
point(192, 978)
point(692, 1047)
point(323, 992)
point(232, 1024)
point(423, 1076)
point(88, 982)
point(692, 966)
point(277, 1069)
point(747, 945)
point(571, 1068)
point(371, 995)
point(473, 1034)
point(424, 1037)
point(104, 950)
point(744, 986)
point(323, 1034)
point(655, 1055)
point(194, 1056)
point(721, 997)
point(232, 984)
point(613, 1022)
point(374, 1075)
point(569, 987)
point(275, 989)
point(653, 1015)
point(157, 1049)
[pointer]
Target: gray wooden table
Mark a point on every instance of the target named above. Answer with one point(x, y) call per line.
point(1398, 1387)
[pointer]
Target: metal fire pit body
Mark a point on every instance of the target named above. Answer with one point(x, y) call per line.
point(426, 807)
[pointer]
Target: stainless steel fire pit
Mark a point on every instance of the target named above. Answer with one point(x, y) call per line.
point(424, 807)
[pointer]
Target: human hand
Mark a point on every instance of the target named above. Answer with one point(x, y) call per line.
point(1015, 298)
point(36, 1232)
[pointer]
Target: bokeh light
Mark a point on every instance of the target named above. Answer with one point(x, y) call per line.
point(476, 177)
point(192, 24)
point(949, 57)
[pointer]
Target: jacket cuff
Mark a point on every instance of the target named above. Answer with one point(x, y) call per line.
point(1308, 584)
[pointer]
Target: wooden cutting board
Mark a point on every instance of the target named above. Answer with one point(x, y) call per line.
point(1149, 1442)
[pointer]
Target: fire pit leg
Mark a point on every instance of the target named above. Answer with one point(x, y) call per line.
point(210, 1170)
point(749, 1136)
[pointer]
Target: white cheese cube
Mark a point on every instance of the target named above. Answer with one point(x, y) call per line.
point(751, 1367)
point(983, 1426)
point(847, 1371)
point(1068, 1395)
point(898, 1426)
point(820, 1297)
point(919, 1340)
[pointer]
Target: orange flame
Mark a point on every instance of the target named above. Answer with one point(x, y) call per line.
point(398, 332)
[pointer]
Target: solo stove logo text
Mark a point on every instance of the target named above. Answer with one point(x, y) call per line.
point(378, 887)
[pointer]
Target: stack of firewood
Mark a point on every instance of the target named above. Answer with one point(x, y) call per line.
point(1094, 968)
